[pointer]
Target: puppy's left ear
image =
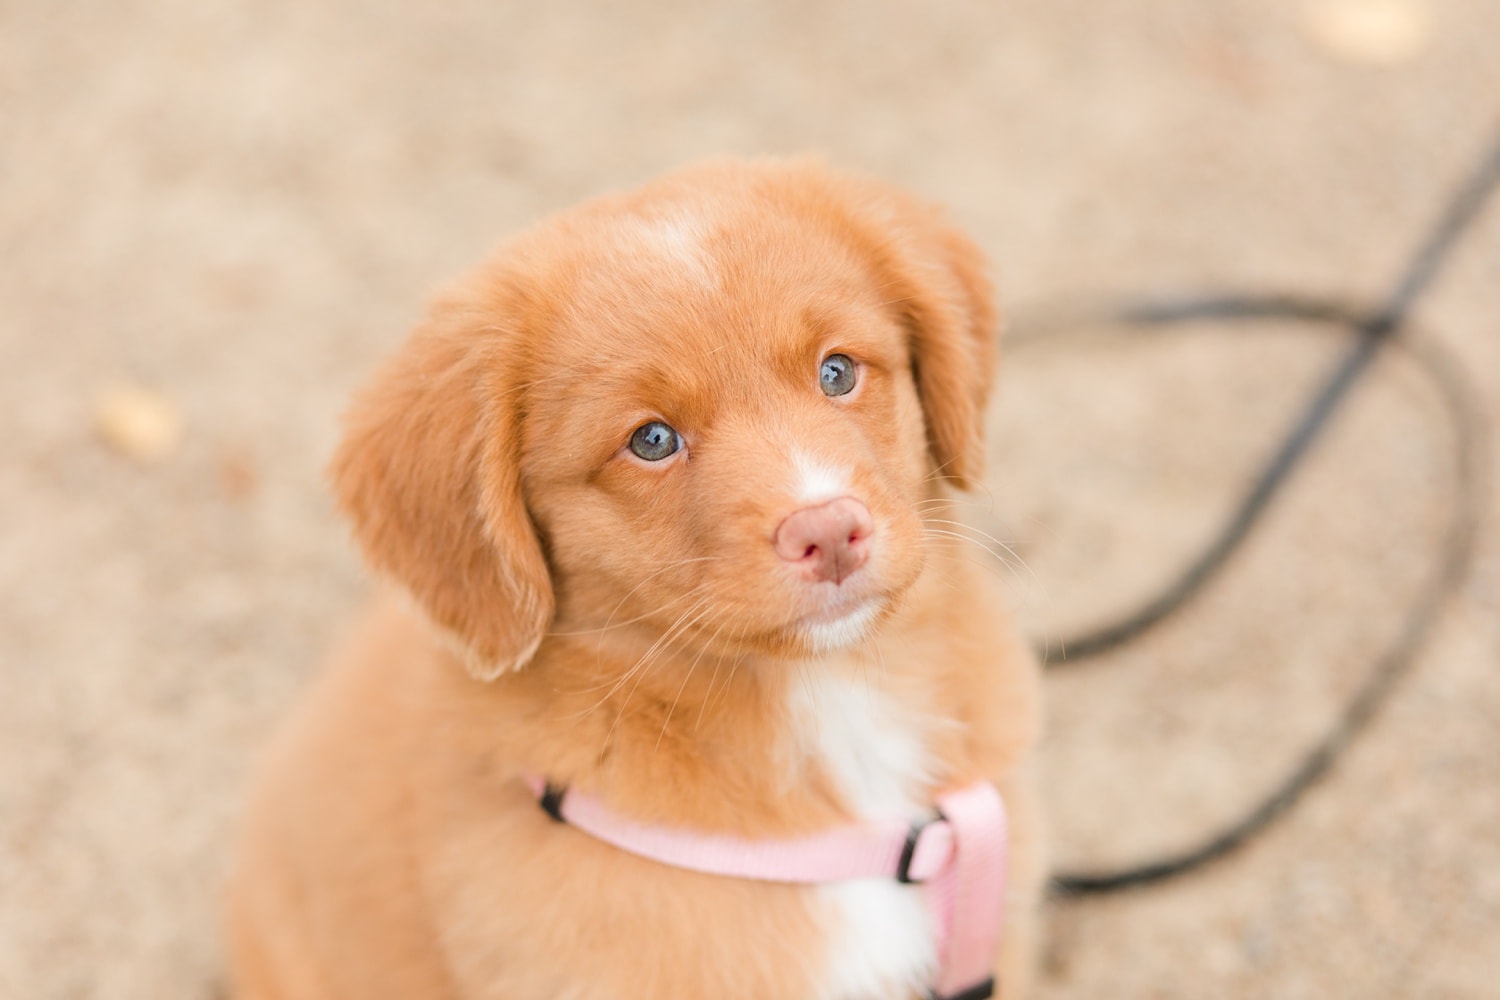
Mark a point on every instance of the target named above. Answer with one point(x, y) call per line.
point(940, 282)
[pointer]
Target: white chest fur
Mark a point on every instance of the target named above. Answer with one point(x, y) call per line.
point(880, 935)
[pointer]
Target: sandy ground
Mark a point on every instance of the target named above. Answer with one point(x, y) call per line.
point(240, 206)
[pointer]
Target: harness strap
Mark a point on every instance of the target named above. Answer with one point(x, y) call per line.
point(958, 855)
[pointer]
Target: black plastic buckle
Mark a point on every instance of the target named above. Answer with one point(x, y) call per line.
point(552, 800)
point(909, 849)
point(979, 991)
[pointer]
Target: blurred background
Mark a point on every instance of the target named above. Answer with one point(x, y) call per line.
point(215, 216)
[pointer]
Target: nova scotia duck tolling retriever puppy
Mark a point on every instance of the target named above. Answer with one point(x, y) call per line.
point(689, 684)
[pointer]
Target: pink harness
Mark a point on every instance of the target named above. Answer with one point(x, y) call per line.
point(959, 856)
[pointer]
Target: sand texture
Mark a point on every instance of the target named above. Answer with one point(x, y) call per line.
point(215, 216)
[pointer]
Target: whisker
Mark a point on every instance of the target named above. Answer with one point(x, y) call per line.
point(982, 534)
point(734, 666)
point(610, 621)
point(643, 665)
point(599, 649)
point(958, 500)
point(709, 694)
point(702, 649)
point(642, 661)
point(1007, 558)
point(684, 622)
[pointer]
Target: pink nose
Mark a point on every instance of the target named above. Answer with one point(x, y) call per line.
point(826, 543)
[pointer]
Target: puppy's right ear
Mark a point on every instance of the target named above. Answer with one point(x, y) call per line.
point(428, 474)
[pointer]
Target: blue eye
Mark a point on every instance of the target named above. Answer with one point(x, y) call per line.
point(655, 441)
point(838, 375)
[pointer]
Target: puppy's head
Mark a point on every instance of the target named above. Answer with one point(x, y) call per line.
point(710, 409)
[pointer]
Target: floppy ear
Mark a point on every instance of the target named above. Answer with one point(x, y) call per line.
point(938, 280)
point(428, 474)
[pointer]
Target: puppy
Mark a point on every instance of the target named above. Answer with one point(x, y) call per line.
point(667, 487)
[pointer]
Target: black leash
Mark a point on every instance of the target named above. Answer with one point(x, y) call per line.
point(1374, 329)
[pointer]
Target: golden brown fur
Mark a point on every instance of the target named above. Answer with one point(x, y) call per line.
point(625, 625)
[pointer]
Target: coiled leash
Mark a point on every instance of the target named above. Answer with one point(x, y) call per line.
point(1374, 330)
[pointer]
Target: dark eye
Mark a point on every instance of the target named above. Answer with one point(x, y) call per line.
point(838, 374)
point(654, 441)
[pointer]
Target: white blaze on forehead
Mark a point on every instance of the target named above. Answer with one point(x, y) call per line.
point(677, 238)
point(818, 482)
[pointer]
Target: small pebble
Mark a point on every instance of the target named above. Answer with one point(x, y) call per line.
point(137, 422)
point(1373, 32)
